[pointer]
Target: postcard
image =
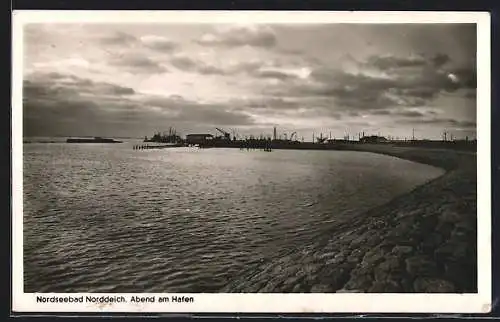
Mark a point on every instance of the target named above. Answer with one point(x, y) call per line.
point(231, 161)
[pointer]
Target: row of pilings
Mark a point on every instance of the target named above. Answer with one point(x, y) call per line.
point(147, 147)
point(263, 145)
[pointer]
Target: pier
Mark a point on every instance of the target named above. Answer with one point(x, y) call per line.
point(291, 142)
point(156, 146)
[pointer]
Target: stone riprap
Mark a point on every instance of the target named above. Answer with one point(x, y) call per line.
point(423, 241)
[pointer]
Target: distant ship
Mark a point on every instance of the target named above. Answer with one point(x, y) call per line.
point(96, 139)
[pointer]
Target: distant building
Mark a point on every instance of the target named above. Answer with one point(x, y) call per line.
point(198, 138)
point(373, 139)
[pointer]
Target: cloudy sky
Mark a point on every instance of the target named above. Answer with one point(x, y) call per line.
point(131, 80)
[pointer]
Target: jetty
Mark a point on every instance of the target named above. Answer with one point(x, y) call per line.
point(155, 146)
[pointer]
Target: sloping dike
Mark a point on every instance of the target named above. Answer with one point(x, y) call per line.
point(424, 241)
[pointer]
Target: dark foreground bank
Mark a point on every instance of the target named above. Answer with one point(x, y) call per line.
point(424, 241)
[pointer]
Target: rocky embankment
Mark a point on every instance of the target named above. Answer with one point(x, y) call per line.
point(424, 241)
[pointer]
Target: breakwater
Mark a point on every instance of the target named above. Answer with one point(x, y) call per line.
point(423, 241)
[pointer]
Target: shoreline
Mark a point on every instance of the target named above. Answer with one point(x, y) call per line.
point(423, 241)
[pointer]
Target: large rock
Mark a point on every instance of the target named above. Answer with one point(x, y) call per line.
point(431, 242)
point(361, 279)
point(450, 216)
point(396, 235)
point(429, 222)
point(421, 266)
point(400, 250)
point(388, 269)
point(373, 257)
point(372, 240)
point(335, 277)
point(355, 256)
point(444, 228)
point(452, 251)
point(433, 285)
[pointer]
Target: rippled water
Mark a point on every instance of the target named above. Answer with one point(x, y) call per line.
point(106, 218)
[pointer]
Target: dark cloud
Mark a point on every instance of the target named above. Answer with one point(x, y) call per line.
point(60, 84)
point(240, 36)
point(275, 74)
point(188, 64)
point(405, 83)
point(380, 112)
point(410, 113)
point(210, 70)
point(153, 42)
point(55, 103)
point(404, 112)
point(266, 103)
point(159, 43)
point(445, 122)
point(119, 38)
point(467, 77)
point(138, 63)
point(389, 62)
point(292, 52)
point(256, 69)
point(393, 62)
point(440, 59)
point(184, 63)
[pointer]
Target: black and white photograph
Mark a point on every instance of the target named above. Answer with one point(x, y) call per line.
point(209, 157)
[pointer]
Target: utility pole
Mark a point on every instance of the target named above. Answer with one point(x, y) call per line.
point(413, 135)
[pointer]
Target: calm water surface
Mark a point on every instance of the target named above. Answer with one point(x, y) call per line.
point(106, 218)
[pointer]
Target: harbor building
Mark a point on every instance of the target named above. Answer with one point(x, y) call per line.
point(199, 138)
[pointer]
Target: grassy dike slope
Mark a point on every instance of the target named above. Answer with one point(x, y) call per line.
point(423, 241)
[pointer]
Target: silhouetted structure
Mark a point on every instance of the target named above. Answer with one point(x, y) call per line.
point(202, 139)
point(373, 139)
point(96, 139)
point(171, 137)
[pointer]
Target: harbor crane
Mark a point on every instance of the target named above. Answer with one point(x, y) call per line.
point(292, 136)
point(227, 135)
